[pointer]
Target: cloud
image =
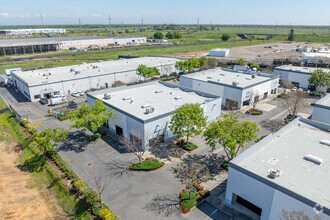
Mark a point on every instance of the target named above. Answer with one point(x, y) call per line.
point(97, 15)
point(4, 14)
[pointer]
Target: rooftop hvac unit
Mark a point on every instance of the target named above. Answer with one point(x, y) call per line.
point(158, 91)
point(313, 159)
point(47, 74)
point(221, 74)
point(95, 67)
point(326, 142)
point(235, 83)
point(72, 70)
point(145, 106)
point(254, 76)
point(178, 97)
point(209, 77)
point(77, 72)
point(274, 173)
point(149, 110)
point(107, 96)
point(127, 98)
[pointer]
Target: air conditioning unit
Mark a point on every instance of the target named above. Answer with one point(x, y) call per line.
point(274, 173)
point(254, 76)
point(145, 106)
point(77, 72)
point(235, 83)
point(72, 70)
point(149, 110)
point(158, 91)
point(107, 96)
point(178, 97)
point(127, 98)
point(47, 74)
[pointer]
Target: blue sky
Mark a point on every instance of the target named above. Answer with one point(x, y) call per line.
point(283, 12)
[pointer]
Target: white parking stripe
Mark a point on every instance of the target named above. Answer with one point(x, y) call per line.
point(111, 152)
point(212, 214)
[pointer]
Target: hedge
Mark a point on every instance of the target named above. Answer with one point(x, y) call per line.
point(147, 165)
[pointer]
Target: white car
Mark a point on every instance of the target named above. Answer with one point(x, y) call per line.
point(75, 94)
point(294, 89)
point(81, 93)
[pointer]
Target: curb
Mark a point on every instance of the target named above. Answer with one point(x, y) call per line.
point(147, 170)
point(180, 203)
point(192, 150)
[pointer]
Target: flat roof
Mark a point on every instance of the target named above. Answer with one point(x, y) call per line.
point(325, 102)
point(226, 77)
point(284, 151)
point(300, 69)
point(220, 49)
point(28, 41)
point(58, 74)
point(163, 97)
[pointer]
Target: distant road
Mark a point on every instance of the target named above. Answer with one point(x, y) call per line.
point(114, 51)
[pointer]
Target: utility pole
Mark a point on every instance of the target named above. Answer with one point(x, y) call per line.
point(42, 20)
point(110, 30)
point(80, 27)
point(197, 24)
point(142, 28)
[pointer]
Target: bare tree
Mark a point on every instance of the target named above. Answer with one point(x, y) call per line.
point(134, 145)
point(287, 85)
point(254, 98)
point(101, 179)
point(294, 102)
point(297, 215)
point(190, 171)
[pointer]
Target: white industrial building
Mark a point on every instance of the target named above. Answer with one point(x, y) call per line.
point(35, 84)
point(321, 111)
point(288, 170)
point(33, 31)
point(219, 52)
point(236, 88)
point(297, 75)
point(143, 111)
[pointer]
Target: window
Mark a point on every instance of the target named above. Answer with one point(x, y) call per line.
point(37, 97)
point(134, 139)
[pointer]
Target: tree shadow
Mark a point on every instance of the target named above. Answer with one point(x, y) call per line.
point(34, 164)
point(76, 141)
point(211, 162)
point(167, 150)
point(164, 205)
point(119, 168)
point(272, 125)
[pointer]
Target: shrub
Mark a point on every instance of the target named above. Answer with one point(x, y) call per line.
point(117, 83)
point(225, 37)
point(180, 142)
point(190, 146)
point(63, 116)
point(287, 121)
point(94, 137)
point(257, 112)
point(91, 198)
point(198, 187)
point(225, 165)
point(313, 103)
point(281, 96)
point(146, 165)
point(187, 203)
point(106, 214)
point(204, 193)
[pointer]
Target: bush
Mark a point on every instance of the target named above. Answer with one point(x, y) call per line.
point(190, 146)
point(225, 165)
point(225, 37)
point(63, 116)
point(281, 96)
point(204, 193)
point(198, 187)
point(106, 214)
point(313, 103)
point(318, 94)
point(262, 137)
point(91, 198)
point(187, 203)
point(287, 121)
point(117, 83)
point(180, 142)
point(241, 62)
point(94, 137)
point(257, 112)
point(147, 165)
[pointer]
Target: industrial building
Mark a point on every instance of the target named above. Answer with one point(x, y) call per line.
point(297, 75)
point(288, 170)
point(45, 44)
point(35, 84)
point(321, 111)
point(219, 52)
point(15, 32)
point(142, 112)
point(236, 88)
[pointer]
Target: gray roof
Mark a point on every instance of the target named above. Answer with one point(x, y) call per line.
point(227, 77)
point(36, 77)
point(163, 97)
point(285, 150)
point(324, 102)
point(28, 41)
point(300, 69)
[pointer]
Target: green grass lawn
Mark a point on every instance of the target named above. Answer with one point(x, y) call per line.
point(147, 165)
point(2, 104)
point(190, 146)
point(186, 203)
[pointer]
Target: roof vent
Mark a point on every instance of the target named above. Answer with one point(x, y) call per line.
point(178, 97)
point(221, 74)
point(235, 83)
point(95, 67)
point(127, 98)
point(72, 70)
point(313, 159)
point(145, 106)
point(158, 91)
point(107, 96)
point(149, 110)
point(209, 77)
point(254, 76)
point(47, 74)
point(77, 72)
point(274, 173)
point(326, 142)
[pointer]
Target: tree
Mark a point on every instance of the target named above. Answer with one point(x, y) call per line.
point(147, 72)
point(225, 37)
point(177, 35)
point(158, 35)
point(169, 35)
point(241, 62)
point(231, 134)
point(319, 79)
point(189, 64)
point(91, 116)
point(188, 120)
point(190, 171)
point(102, 180)
point(133, 145)
point(254, 98)
point(294, 102)
point(291, 35)
point(49, 137)
point(203, 62)
point(211, 62)
point(255, 65)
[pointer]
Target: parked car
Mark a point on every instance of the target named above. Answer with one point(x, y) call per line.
point(43, 101)
point(75, 94)
point(294, 89)
point(307, 91)
point(72, 104)
point(155, 77)
point(81, 93)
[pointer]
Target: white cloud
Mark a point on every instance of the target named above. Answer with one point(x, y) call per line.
point(4, 14)
point(97, 15)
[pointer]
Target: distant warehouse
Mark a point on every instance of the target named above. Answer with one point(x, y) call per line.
point(143, 111)
point(33, 31)
point(236, 88)
point(219, 52)
point(35, 84)
point(45, 44)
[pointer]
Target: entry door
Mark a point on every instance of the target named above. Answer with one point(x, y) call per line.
point(119, 131)
point(265, 95)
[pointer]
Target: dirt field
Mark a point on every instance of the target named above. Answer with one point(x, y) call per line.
point(257, 52)
point(18, 198)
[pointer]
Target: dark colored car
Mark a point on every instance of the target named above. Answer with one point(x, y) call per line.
point(43, 101)
point(72, 104)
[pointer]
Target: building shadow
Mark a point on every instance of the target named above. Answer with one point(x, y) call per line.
point(18, 96)
point(167, 150)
